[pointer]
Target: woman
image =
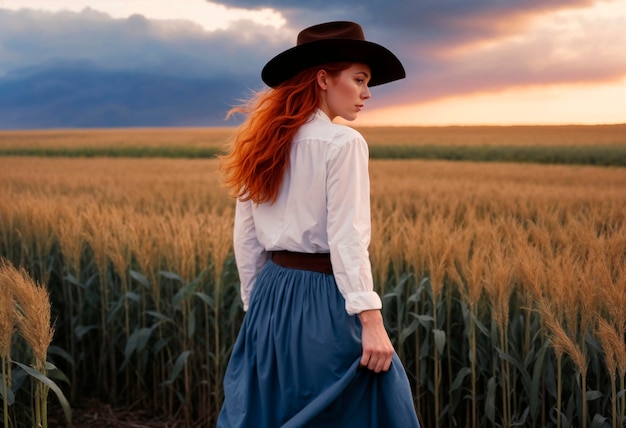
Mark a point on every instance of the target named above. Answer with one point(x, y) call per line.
point(312, 350)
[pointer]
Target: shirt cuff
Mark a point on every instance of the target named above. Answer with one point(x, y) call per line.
point(362, 301)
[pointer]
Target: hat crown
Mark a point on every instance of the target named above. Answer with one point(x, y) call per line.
point(339, 41)
point(331, 30)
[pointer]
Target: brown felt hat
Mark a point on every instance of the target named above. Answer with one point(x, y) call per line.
point(339, 41)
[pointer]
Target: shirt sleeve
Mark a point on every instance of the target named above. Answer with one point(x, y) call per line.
point(349, 224)
point(250, 254)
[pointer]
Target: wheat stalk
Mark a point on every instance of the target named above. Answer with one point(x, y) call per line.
point(33, 321)
point(563, 344)
point(473, 264)
point(70, 235)
point(33, 315)
point(7, 327)
point(571, 218)
point(98, 236)
point(7, 321)
point(613, 346)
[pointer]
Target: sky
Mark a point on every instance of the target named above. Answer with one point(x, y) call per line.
point(478, 62)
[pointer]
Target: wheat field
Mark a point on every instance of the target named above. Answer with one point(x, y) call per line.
point(566, 135)
point(504, 285)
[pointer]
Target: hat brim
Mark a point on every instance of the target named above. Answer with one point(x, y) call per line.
point(385, 66)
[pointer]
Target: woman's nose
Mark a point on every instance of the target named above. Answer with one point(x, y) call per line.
point(366, 93)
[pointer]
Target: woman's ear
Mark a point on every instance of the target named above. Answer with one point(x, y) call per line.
point(322, 77)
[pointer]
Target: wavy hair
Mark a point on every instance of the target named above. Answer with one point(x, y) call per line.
point(259, 154)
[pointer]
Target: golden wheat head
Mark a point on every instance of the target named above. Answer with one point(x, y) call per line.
point(33, 310)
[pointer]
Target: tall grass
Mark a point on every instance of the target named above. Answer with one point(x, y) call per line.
point(7, 327)
point(26, 304)
point(504, 285)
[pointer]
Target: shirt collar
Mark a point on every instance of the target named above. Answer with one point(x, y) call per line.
point(321, 115)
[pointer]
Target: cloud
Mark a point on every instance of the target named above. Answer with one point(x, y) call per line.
point(458, 47)
point(79, 95)
point(566, 47)
point(426, 22)
point(449, 49)
point(63, 69)
point(171, 47)
point(210, 16)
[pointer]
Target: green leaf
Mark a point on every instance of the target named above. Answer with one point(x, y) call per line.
point(408, 331)
point(526, 381)
point(599, 421)
point(72, 279)
point(160, 316)
point(131, 295)
point(594, 395)
point(115, 308)
point(10, 399)
point(138, 340)
point(65, 405)
point(160, 344)
point(184, 293)
point(534, 395)
point(208, 300)
point(458, 379)
point(10, 394)
point(415, 297)
point(55, 350)
point(82, 330)
point(139, 278)
point(172, 275)
point(490, 402)
point(424, 320)
point(483, 329)
point(53, 372)
point(522, 420)
point(178, 367)
point(191, 323)
point(440, 340)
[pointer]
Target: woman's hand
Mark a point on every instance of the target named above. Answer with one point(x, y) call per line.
point(377, 348)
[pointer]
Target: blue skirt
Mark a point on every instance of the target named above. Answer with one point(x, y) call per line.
point(296, 362)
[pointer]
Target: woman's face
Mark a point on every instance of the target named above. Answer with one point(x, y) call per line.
point(344, 94)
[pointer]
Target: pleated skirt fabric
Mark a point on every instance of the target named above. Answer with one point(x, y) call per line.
point(296, 362)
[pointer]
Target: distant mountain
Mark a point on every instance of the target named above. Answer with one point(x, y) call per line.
point(79, 96)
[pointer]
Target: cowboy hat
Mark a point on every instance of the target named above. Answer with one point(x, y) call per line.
point(339, 41)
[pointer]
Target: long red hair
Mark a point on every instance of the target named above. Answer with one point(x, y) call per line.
point(259, 154)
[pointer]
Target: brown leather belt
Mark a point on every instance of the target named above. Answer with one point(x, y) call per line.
point(316, 262)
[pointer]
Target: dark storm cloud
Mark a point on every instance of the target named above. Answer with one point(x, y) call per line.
point(449, 48)
point(77, 95)
point(87, 69)
point(173, 47)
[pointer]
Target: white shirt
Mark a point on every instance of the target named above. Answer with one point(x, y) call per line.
point(323, 206)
